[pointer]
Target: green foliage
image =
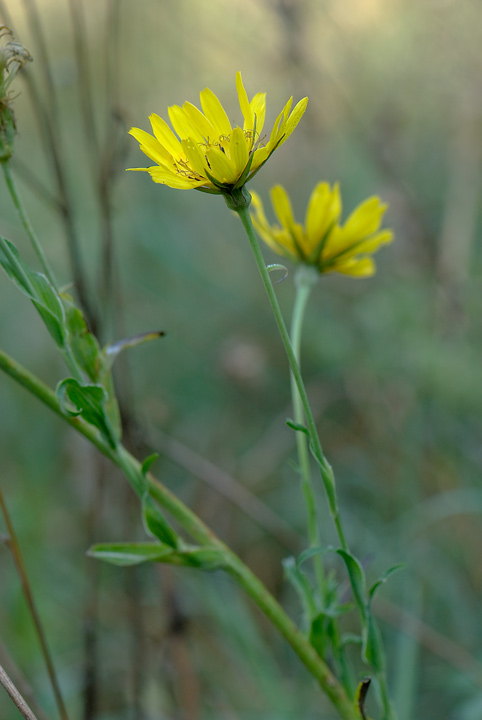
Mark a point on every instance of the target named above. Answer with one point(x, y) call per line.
point(84, 344)
point(36, 286)
point(88, 401)
point(155, 523)
point(125, 554)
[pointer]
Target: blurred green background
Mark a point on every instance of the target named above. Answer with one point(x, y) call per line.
point(392, 362)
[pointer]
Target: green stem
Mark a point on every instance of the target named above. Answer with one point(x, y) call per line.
point(26, 223)
point(199, 532)
point(306, 278)
point(324, 466)
point(305, 282)
point(241, 206)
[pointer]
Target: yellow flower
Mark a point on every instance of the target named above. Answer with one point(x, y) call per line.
point(211, 155)
point(322, 241)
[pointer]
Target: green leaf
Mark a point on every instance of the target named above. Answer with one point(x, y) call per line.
point(37, 288)
point(319, 634)
point(357, 580)
point(350, 638)
point(49, 306)
point(311, 552)
point(148, 462)
point(129, 553)
point(383, 578)
point(113, 350)
point(204, 558)
point(88, 401)
point(13, 266)
point(156, 524)
point(373, 651)
point(301, 584)
point(277, 266)
point(135, 553)
point(338, 609)
point(297, 426)
point(84, 345)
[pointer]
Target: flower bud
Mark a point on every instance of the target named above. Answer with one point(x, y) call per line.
point(13, 56)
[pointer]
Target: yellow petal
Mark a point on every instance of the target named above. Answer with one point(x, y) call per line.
point(258, 110)
point(205, 128)
point(373, 242)
point(259, 215)
point(222, 168)
point(323, 210)
point(195, 157)
point(294, 119)
point(164, 134)
point(183, 125)
point(151, 147)
point(282, 207)
point(259, 157)
point(276, 132)
point(365, 219)
point(362, 267)
point(244, 103)
point(239, 150)
point(174, 180)
point(215, 112)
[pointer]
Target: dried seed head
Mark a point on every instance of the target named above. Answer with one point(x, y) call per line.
point(13, 56)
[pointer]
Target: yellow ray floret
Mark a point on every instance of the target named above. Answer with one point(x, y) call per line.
point(322, 241)
point(206, 152)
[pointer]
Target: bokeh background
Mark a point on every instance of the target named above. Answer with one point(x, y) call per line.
point(392, 363)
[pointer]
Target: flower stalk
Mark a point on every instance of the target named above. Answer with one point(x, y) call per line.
point(305, 280)
point(326, 471)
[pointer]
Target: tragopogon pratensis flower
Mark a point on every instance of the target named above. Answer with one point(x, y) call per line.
point(210, 154)
point(322, 242)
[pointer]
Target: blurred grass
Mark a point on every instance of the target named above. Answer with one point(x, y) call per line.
point(392, 362)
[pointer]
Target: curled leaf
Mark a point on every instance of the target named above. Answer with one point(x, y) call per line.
point(276, 266)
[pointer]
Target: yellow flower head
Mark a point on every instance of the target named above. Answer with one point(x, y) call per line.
point(210, 154)
point(322, 241)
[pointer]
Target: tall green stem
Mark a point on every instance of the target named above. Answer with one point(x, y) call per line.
point(305, 281)
point(240, 204)
point(12, 188)
point(324, 466)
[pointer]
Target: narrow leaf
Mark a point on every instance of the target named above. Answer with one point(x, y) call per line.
point(357, 580)
point(373, 651)
point(297, 426)
point(156, 524)
point(84, 345)
point(383, 578)
point(112, 351)
point(301, 584)
point(148, 462)
point(312, 552)
point(276, 266)
point(36, 286)
point(129, 553)
point(318, 634)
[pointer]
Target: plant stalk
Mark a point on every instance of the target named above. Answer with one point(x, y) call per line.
point(304, 282)
point(324, 466)
point(12, 188)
